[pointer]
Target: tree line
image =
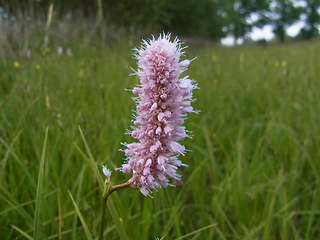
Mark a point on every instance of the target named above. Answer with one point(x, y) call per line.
point(205, 18)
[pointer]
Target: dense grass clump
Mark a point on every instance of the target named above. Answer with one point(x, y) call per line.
point(254, 167)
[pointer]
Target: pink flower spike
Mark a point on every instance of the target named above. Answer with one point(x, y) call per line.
point(164, 100)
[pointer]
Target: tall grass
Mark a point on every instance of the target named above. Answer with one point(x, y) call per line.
point(254, 166)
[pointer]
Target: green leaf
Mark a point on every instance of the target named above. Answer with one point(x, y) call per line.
point(36, 232)
point(196, 231)
point(23, 233)
point(115, 216)
point(83, 222)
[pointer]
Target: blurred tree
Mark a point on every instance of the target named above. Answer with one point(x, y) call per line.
point(243, 15)
point(282, 14)
point(194, 18)
point(204, 18)
point(188, 17)
point(312, 12)
point(40, 7)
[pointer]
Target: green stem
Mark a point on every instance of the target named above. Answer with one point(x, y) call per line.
point(104, 202)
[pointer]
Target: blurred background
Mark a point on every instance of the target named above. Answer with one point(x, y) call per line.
point(227, 21)
point(254, 159)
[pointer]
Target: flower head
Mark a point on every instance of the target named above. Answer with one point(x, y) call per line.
point(16, 64)
point(164, 101)
point(106, 172)
point(45, 51)
point(28, 53)
point(60, 50)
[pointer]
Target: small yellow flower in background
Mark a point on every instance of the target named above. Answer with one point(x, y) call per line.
point(45, 51)
point(16, 64)
point(38, 66)
point(283, 63)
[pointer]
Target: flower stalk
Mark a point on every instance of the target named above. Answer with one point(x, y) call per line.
point(164, 100)
point(108, 189)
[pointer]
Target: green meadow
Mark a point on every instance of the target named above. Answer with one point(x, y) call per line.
point(254, 169)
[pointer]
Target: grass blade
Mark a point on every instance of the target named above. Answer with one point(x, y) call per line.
point(176, 216)
point(23, 233)
point(196, 231)
point(115, 216)
point(90, 160)
point(36, 232)
point(7, 154)
point(116, 219)
point(79, 191)
point(83, 222)
point(14, 205)
point(19, 162)
point(59, 212)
